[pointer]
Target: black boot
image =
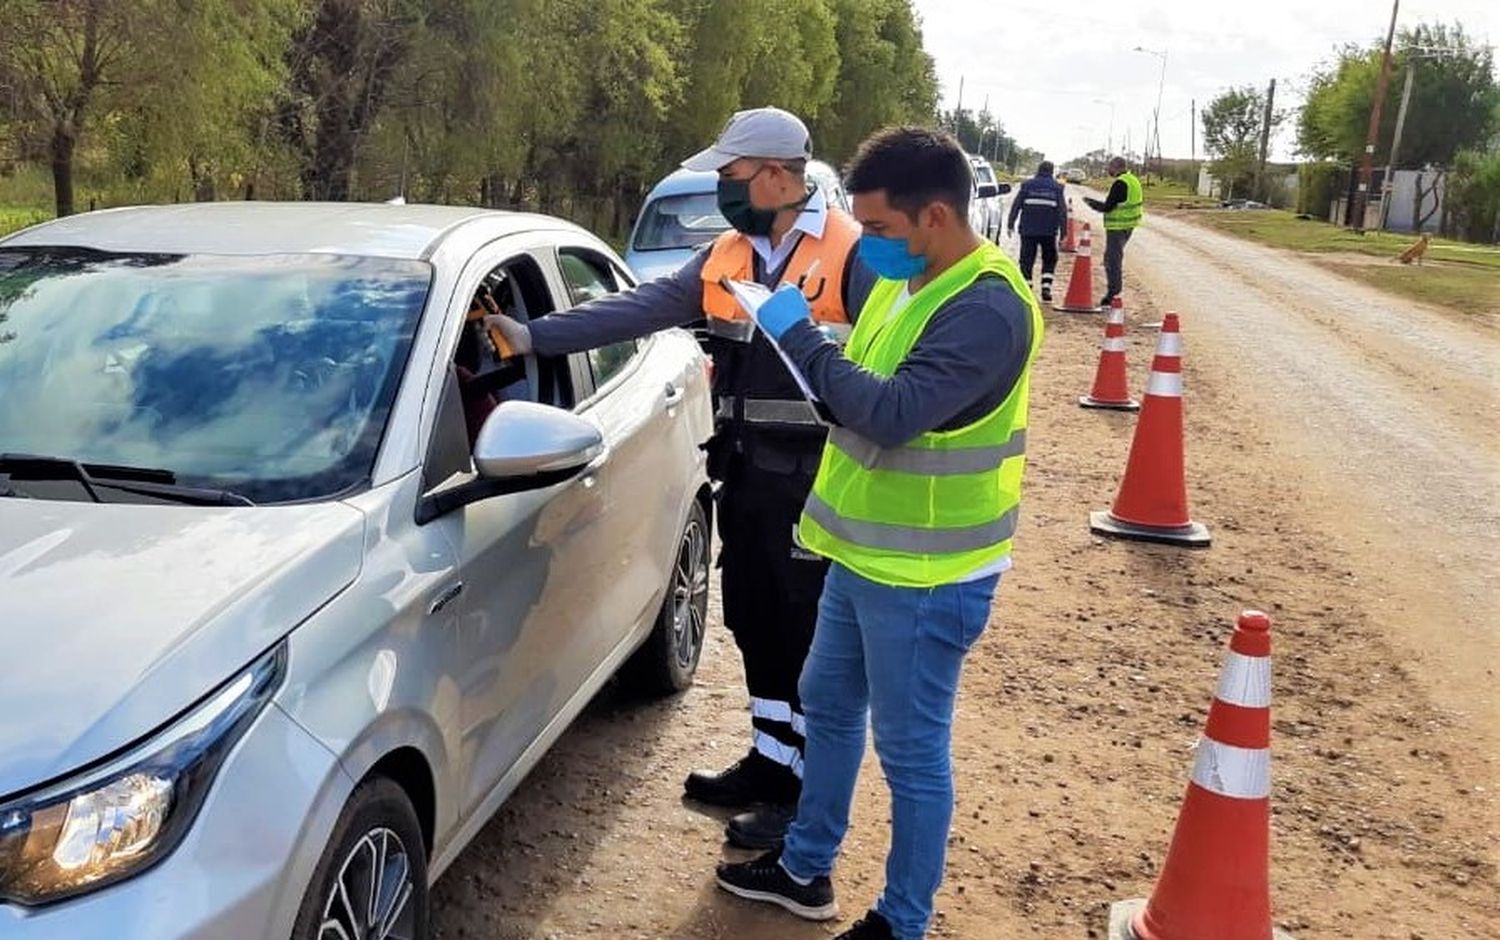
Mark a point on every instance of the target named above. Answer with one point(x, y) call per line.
point(754, 778)
point(764, 827)
point(872, 926)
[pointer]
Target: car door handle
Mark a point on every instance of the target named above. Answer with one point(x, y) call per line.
point(448, 596)
point(675, 394)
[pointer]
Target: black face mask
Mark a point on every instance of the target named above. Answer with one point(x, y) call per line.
point(739, 212)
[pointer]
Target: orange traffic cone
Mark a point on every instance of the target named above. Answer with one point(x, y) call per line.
point(1079, 298)
point(1069, 243)
point(1152, 503)
point(1111, 389)
point(1216, 879)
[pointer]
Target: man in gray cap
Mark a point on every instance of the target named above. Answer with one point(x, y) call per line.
point(768, 439)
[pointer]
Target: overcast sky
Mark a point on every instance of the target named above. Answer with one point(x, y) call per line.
point(1052, 69)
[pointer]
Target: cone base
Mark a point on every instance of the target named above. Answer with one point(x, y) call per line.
point(1192, 535)
point(1064, 308)
point(1129, 404)
point(1123, 913)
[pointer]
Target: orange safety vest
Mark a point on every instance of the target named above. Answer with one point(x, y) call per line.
point(817, 267)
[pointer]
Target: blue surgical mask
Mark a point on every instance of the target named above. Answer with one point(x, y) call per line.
point(891, 258)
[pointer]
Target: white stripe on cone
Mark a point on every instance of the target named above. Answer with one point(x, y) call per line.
point(1237, 772)
point(1169, 344)
point(1245, 681)
point(1114, 344)
point(1165, 384)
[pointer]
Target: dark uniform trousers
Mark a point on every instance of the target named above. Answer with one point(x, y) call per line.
point(771, 588)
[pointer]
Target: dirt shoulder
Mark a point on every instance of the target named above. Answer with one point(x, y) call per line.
point(1078, 713)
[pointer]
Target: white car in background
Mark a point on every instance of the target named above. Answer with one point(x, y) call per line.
point(986, 211)
point(681, 215)
point(300, 571)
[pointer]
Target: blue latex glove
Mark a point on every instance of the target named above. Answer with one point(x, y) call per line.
point(784, 310)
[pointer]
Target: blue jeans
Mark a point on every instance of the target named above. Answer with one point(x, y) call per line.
point(894, 655)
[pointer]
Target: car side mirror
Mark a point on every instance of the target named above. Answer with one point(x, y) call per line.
point(523, 446)
point(1004, 188)
point(525, 439)
point(988, 191)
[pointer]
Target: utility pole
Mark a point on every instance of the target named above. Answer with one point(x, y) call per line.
point(1193, 118)
point(1386, 187)
point(1367, 165)
point(1265, 142)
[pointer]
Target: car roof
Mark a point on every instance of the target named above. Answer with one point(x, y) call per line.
point(680, 182)
point(254, 228)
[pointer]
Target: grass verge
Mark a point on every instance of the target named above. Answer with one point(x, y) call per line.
point(1456, 274)
point(13, 219)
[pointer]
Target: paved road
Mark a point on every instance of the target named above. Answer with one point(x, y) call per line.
point(1391, 407)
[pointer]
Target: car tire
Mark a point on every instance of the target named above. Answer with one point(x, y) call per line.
point(667, 661)
point(377, 831)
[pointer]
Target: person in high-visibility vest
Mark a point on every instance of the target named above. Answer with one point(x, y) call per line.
point(1123, 206)
point(768, 438)
point(915, 504)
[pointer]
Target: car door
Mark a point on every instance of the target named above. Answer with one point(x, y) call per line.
point(525, 562)
point(640, 390)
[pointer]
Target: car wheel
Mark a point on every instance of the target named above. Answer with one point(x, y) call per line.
point(371, 883)
point(669, 658)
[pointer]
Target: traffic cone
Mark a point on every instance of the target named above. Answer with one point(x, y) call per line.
point(1079, 298)
point(1216, 879)
point(1152, 503)
point(1111, 388)
point(1069, 242)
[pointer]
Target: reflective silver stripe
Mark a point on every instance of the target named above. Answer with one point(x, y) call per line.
point(783, 754)
point(1169, 344)
point(739, 331)
point(909, 539)
point(1114, 344)
point(1164, 384)
point(772, 710)
point(924, 461)
point(770, 411)
point(1040, 202)
point(1241, 773)
point(840, 332)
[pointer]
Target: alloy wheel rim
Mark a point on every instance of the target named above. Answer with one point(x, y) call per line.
point(371, 897)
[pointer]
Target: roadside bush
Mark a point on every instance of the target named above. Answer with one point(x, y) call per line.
point(1318, 185)
point(1473, 196)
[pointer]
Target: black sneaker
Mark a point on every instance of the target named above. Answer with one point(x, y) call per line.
point(1046, 295)
point(762, 828)
point(869, 927)
point(754, 778)
point(763, 879)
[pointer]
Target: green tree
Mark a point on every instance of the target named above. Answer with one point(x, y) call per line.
point(65, 60)
point(1452, 108)
point(1231, 134)
point(885, 76)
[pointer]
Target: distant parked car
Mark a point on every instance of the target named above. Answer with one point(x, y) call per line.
point(1072, 175)
point(986, 211)
point(681, 215)
point(300, 571)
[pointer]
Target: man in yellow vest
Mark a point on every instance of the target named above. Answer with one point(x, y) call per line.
point(768, 441)
point(915, 503)
point(1123, 206)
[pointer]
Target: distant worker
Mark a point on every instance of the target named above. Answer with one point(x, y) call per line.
point(1043, 208)
point(768, 440)
point(1123, 210)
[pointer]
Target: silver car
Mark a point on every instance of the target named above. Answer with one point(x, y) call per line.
point(300, 571)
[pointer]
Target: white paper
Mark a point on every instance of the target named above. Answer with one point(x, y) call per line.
point(750, 296)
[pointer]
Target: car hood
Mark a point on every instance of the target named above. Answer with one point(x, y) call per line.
point(650, 265)
point(116, 617)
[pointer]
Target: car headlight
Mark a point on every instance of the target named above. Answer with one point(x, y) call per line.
point(115, 820)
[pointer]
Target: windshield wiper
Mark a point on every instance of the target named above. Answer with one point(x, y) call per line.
point(142, 481)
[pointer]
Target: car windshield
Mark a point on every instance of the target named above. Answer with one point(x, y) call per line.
point(684, 221)
point(984, 174)
point(272, 376)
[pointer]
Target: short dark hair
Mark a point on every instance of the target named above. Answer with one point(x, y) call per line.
point(915, 166)
point(1045, 168)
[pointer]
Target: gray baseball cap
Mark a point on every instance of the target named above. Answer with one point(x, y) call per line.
point(768, 133)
